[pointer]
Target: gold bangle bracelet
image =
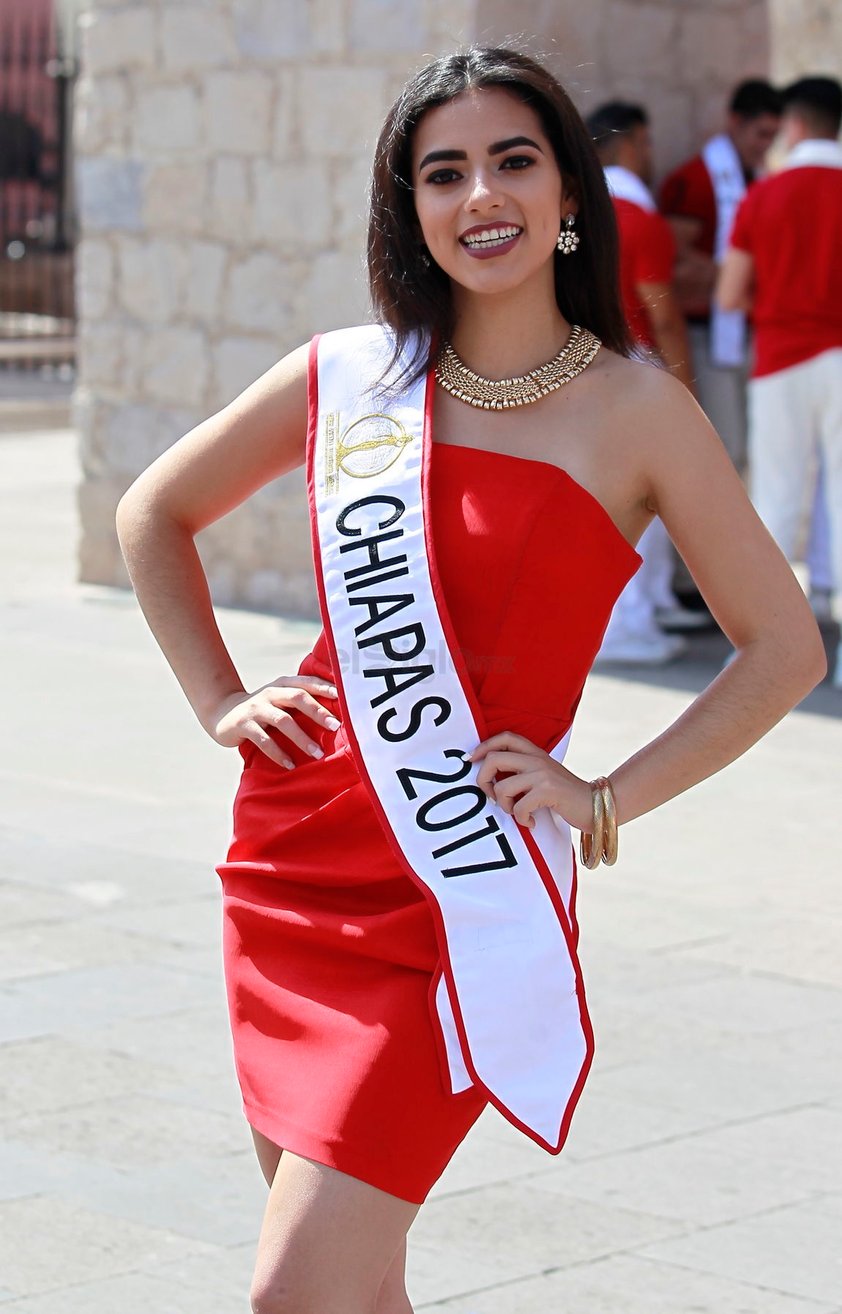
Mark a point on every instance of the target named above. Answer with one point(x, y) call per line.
point(610, 842)
point(591, 845)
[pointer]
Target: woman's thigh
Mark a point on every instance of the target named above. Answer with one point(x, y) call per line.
point(328, 1242)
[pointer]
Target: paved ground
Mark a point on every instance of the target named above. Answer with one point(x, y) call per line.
point(704, 1170)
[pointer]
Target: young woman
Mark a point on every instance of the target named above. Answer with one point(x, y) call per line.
point(491, 238)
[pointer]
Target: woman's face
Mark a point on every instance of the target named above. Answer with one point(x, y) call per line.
point(489, 194)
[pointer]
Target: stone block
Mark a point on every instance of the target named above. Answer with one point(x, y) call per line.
point(328, 24)
point(285, 116)
point(333, 294)
point(166, 120)
point(292, 204)
point(110, 194)
point(706, 41)
point(237, 362)
point(675, 109)
point(286, 30)
point(806, 35)
point(100, 354)
point(112, 40)
point(174, 365)
point(270, 30)
point(344, 110)
point(137, 433)
point(206, 268)
point(175, 197)
point(101, 114)
point(194, 37)
point(352, 180)
point(256, 293)
point(150, 278)
point(230, 199)
point(385, 27)
point(640, 39)
point(94, 278)
point(134, 338)
point(238, 111)
point(753, 51)
point(90, 412)
point(578, 33)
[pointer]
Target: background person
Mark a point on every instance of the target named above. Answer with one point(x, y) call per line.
point(623, 141)
point(785, 264)
point(700, 199)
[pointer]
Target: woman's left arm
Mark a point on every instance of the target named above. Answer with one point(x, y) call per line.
point(750, 590)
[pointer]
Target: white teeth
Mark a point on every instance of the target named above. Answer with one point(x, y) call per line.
point(491, 236)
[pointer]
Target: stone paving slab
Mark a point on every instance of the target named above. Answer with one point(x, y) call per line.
point(702, 1171)
point(50, 1244)
point(793, 1249)
point(629, 1284)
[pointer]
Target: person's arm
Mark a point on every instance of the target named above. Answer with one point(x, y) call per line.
point(694, 274)
point(668, 329)
point(751, 592)
point(735, 285)
point(207, 473)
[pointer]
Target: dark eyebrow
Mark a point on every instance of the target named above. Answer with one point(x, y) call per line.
point(500, 146)
point(496, 148)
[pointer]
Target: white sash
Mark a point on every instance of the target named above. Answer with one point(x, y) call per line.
point(727, 327)
point(510, 999)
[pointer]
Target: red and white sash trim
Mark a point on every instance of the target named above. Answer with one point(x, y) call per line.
point(510, 1000)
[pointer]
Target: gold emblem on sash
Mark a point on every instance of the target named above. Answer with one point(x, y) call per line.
point(366, 448)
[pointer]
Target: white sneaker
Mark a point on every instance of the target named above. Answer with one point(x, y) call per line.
point(641, 649)
point(681, 618)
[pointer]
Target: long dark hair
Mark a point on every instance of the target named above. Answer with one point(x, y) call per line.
point(410, 296)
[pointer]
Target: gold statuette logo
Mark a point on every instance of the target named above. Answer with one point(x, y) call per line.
point(366, 448)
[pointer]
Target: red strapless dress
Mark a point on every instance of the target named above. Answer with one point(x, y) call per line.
point(329, 946)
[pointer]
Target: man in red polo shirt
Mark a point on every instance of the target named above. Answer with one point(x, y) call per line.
point(700, 199)
point(647, 254)
point(785, 264)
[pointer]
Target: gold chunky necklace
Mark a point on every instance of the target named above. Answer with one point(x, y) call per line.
point(499, 394)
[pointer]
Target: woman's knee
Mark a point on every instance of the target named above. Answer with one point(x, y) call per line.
point(279, 1295)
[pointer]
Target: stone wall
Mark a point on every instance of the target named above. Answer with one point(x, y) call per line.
point(223, 151)
point(679, 59)
point(806, 38)
point(223, 155)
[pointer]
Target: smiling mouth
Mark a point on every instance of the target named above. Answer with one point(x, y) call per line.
point(490, 237)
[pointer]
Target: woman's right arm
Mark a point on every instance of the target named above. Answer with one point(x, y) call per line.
point(207, 473)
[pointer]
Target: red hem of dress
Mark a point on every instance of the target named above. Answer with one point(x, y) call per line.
point(309, 1145)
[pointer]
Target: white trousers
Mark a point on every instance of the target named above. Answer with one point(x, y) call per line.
point(818, 546)
point(721, 391)
point(795, 429)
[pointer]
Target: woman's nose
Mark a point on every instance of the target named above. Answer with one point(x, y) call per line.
point(483, 191)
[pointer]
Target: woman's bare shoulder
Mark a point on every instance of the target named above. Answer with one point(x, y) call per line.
point(648, 401)
point(636, 378)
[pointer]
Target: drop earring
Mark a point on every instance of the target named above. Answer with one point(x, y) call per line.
point(567, 241)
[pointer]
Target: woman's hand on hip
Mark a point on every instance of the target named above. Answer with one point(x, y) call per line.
point(532, 780)
point(251, 716)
